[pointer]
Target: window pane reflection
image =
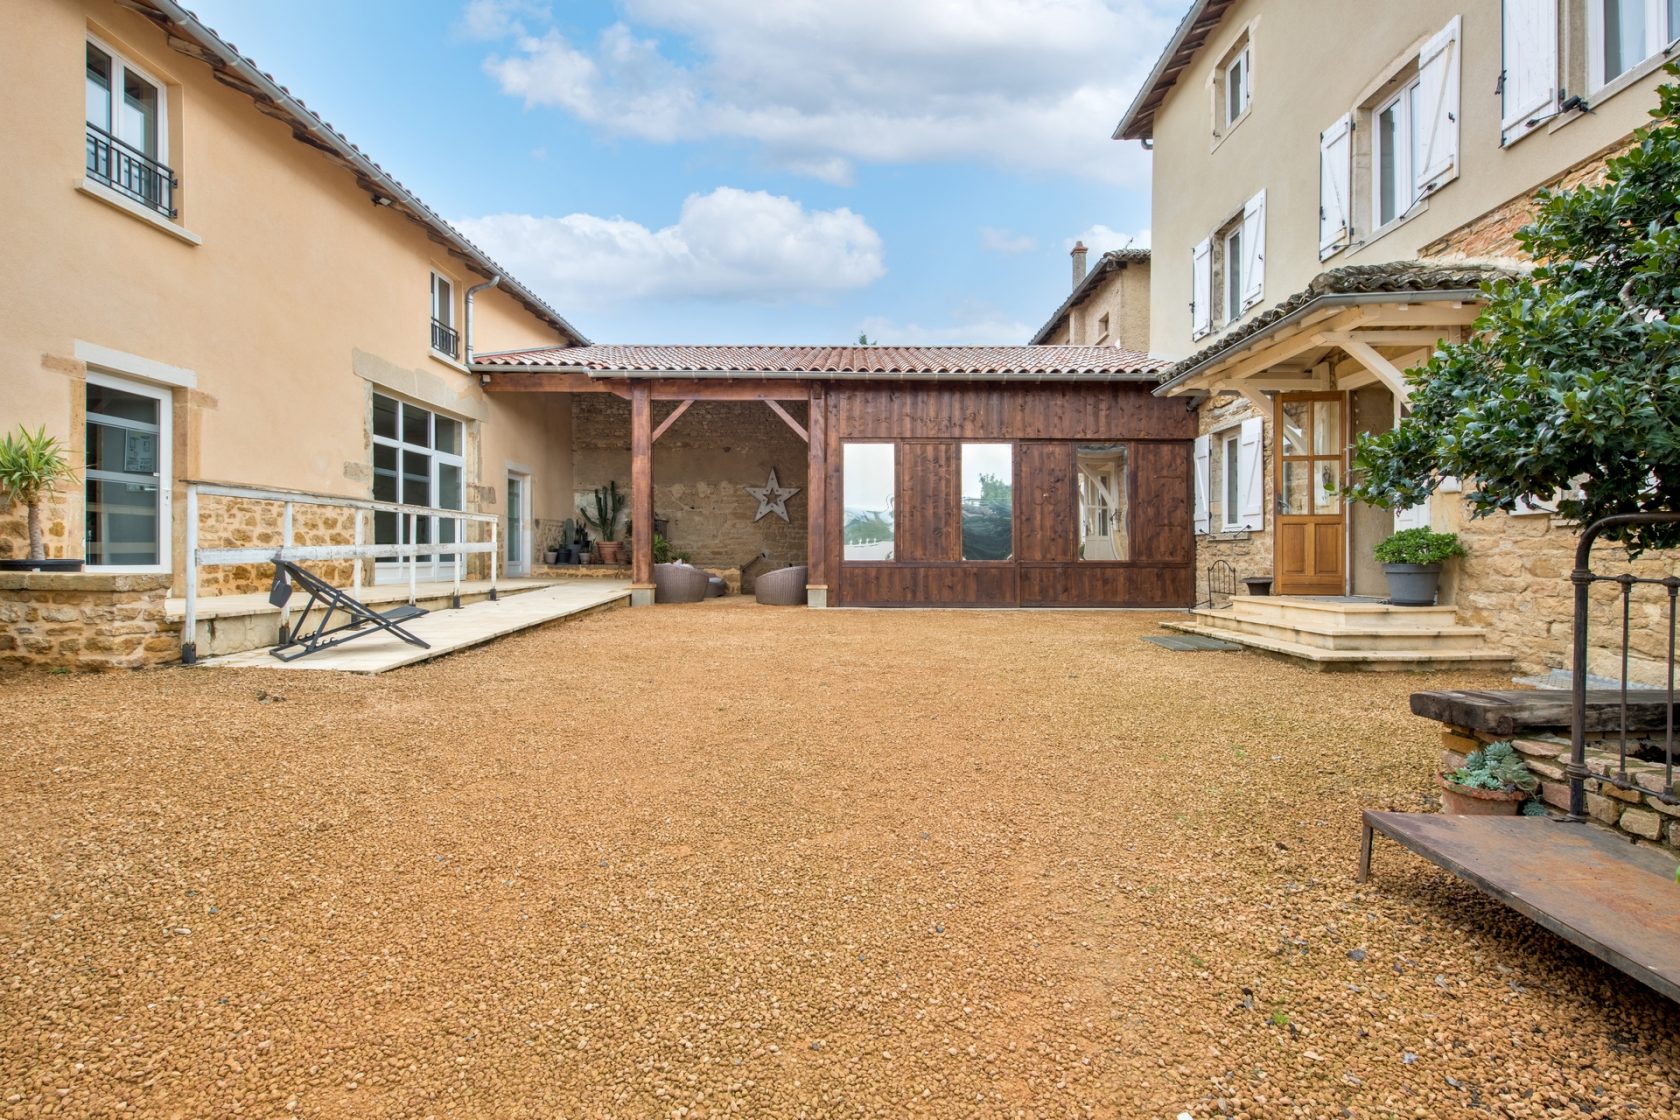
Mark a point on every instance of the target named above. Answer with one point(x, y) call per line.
point(1297, 479)
point(1295, 420)
point(988, 501)
point(867, 491)
point(1102, 503)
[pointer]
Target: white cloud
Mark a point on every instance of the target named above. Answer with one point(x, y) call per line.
point(995, 240)
point(497, 19)
point(729, 244)
point(976, 329)
point(1026, 84)
point(1101, 239)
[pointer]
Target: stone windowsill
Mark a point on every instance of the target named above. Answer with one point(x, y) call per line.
point(99, 582)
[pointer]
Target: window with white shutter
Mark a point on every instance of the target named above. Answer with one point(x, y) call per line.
point(1335, 186)
point(1529, 82)
point(1251, 474)
point(1437, 110)
point(1203, 453)
point(1201, 289)
point(1253, 251)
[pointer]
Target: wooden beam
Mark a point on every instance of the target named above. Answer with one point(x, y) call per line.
point(788, 420)
point(1366, 355)
point(641, 486)
point(671, 419)
point(816, 494)
point(1423, 337)
point(530, 381)
point(718, 389)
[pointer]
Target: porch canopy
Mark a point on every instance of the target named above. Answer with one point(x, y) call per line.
point(1351, 327)
point(982, 391)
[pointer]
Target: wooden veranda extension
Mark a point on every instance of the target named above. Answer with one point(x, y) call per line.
point(1043, 402)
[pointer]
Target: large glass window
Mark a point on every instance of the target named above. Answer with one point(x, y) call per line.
point(868, 490)
point(416, 461)
point(988, 501)
point(1103, 526)
point(1625, 33)
point(1313, 450)
point(127, 473)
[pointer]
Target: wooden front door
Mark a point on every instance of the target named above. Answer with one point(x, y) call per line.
point(1310, 538)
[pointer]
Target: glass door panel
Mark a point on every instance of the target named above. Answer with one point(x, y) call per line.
point(126, 472)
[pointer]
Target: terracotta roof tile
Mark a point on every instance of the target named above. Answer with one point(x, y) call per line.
point(862, 362)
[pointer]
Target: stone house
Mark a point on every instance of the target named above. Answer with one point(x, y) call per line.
point(1332, 221)
point(1108, 306)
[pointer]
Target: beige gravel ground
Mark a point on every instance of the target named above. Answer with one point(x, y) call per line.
point(724, 860)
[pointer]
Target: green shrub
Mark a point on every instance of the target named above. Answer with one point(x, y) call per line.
point(1418, 546)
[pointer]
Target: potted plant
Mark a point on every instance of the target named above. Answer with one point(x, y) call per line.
point(1412, 560)
point(1493, 782)
point(609, 504)
point(580, 544)
point(31, 466)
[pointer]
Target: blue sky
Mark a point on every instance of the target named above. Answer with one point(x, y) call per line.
point(746, 170)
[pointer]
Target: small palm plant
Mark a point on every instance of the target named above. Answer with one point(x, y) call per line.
point(31, 466)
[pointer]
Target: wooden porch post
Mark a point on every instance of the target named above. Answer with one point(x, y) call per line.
point(816, 500)
point(641, 493)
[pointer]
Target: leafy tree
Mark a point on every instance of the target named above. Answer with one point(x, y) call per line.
point(1570, 381)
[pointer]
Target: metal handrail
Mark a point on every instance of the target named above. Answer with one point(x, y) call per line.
point(106, 154)
point(1583, 577)
point(358, 551)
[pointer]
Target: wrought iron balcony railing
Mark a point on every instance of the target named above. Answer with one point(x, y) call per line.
point(444, 339)
point(130, 172)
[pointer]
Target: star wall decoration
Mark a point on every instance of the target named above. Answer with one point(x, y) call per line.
point(772, 497)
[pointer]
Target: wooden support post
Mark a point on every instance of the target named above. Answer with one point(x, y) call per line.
point(641, 493)
point(816, 501)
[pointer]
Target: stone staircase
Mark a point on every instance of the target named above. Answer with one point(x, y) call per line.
point(1345, 633)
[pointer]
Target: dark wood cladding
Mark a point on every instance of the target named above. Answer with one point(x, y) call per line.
point(978, 410)
point(1046, 422)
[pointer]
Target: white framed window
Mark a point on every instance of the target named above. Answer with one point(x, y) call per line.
point(1237, 90)
point(128, 129)
point(1230, 463)
point(1394, 145)
point(127, 479)
point(418, 460)
point(1232, 255)
point(445, 339)
point(1623, 33)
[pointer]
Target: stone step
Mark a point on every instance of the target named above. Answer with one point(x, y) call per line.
point(1350, 660)
point(1318, 613)
point(1315, 632)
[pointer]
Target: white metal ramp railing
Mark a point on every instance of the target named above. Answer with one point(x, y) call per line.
point(358, 551)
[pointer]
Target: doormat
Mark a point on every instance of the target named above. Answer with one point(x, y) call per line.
point(1190, 643)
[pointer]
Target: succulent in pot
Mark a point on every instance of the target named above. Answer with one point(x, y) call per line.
point(1494, 781)
point(1412, 560)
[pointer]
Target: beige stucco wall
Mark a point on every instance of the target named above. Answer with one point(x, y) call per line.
point(1307, 71)
point(299, 297)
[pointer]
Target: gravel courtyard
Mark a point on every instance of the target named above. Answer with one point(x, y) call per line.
point(734, 861)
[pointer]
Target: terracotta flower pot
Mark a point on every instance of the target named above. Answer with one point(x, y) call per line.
point(1462, 801)
point(611, 552)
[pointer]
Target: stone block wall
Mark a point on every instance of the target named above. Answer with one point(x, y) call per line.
point(1639, 816)
point(700, 469)
point(56, 519)
point(85, 620)
point(1249, 551)
point(245, 522)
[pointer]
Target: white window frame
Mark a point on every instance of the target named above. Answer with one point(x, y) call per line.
point(1403, 100)
point(518, 560)
point(119, 65)
point(1241, 66)
point(1233, 281)
point(165, 471)
point(448, 304)
point(388, 570)
point(1658, 36)
point(1230, 480)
